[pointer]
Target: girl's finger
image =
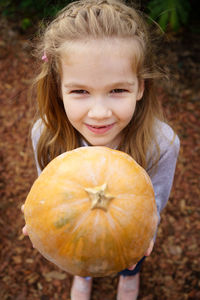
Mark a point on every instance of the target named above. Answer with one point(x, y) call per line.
point(24, 230)
point(132, 268)
point(149, 250)
point(22, 208)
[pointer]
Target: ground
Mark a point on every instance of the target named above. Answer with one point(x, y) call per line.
point(173, 270)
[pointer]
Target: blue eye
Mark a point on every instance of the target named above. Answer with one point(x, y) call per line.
point(118, 91)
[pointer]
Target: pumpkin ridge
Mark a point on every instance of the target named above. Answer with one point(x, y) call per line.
point(126, 196)
point(122, 210)
point(121, 249)
point(68, 182)
point(79, 223)
point(76, 202)
point(134, 217)
point(124, 250)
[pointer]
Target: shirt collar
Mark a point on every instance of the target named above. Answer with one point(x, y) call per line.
point(85, 144)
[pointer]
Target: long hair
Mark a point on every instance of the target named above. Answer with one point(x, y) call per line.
point(95, 19)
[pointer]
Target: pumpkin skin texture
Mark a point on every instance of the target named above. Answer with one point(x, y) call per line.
point(92, 211)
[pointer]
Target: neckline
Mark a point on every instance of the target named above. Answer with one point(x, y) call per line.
point(85, 144)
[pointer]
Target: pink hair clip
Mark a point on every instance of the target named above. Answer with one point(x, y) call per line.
point(44, 57)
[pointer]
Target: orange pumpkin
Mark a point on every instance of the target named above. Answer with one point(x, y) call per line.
point(92, 211)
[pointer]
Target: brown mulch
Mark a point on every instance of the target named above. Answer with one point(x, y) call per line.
point(173, 270)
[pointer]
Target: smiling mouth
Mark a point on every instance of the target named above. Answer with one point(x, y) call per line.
point(100, 126)
point(100, 129)
point(103, 126)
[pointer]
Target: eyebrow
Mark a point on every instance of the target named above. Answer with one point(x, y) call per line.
point(114, 84)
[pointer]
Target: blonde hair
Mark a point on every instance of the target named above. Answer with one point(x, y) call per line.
point(96, 19)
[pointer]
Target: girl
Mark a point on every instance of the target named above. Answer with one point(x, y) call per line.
point(96, 87)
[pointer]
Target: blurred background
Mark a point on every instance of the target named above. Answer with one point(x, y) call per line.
point(169, 14)
point(173, 270)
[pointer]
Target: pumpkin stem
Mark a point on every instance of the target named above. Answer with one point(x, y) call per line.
point(99, 196)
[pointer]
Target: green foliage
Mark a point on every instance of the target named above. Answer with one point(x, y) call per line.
point(26, 23)
point(169, 13)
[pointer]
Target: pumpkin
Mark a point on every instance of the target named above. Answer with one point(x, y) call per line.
point(92, 211)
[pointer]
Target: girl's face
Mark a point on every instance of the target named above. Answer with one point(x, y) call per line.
point(100, 89)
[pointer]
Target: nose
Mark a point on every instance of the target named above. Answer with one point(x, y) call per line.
point(99, 109)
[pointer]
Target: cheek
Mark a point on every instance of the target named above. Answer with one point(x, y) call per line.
point(73, 111)
point(126, 112)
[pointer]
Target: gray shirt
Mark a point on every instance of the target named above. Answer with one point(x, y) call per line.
point(162, 177)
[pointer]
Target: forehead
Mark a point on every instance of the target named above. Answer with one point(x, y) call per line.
point(93, 50)
point(122, 43)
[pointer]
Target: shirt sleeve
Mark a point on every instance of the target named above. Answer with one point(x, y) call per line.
point(162, 175)
point(35, 135)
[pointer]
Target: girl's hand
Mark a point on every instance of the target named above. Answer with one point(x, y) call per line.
point(24, 229)
point(148, 252)
point(132, 267)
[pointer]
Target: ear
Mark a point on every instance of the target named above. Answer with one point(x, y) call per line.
point(140, 90)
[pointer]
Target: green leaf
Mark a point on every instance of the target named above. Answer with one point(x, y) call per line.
point(169, 12)
point(174, 22)
point(163, 20)
point(26, 23)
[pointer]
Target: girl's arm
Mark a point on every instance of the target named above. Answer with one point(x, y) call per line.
point(35, 135)
point(162, 175)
